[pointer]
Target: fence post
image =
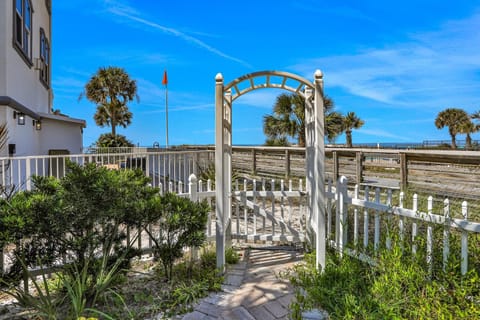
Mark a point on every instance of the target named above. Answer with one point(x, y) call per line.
point(342, 214)
point(192, 187)
point(376, 235)
point(389, 220)
point(335, 165)
point(254, 161)
point(403, 171)
point(464, 263)
point(355, 217)
point(287, 163)
point(414, 224)
point(401, 224)
point(329, 210)
point(430, 236)
point(446, 232)
point(28, 174)
point(359, 156)
point(365, 219)
point(193, 192)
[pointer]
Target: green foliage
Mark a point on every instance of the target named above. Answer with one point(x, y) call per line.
point(399, 286)
point(231, 256)
point(453, 118)
point(77, 216)
point(81, 217)
point(107, 140)
point(181, 223)
point(350, 121)
point(44, 304)
point(288, 120)
point(208, 173)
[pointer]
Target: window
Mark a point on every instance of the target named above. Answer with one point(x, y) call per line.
point(23, 28)
point(44, 58)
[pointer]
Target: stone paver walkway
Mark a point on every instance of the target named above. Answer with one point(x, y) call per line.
point(252, 289)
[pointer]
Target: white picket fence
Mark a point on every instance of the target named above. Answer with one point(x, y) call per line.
point(352, 211)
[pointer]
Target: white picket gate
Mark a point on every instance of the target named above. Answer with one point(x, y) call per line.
point(269, 214)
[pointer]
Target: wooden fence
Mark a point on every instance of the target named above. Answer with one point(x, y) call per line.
point(443, 172)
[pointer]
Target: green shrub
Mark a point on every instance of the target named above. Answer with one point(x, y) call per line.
point(78, 218)
point(399, 286)
point(181, 224)
point(231, 256)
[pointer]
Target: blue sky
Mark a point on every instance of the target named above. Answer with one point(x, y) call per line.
point(396, 64)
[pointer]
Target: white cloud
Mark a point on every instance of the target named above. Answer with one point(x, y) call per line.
point(122, 9)
point(444, 63)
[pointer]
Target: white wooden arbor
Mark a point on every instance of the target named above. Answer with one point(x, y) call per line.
point(314, 144)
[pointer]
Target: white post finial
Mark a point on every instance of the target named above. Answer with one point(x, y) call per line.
point(192, 187)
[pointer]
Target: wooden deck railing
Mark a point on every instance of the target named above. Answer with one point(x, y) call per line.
point(452, 173)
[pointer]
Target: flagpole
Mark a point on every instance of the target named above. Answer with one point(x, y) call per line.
point(166, 114)
point(165, 82)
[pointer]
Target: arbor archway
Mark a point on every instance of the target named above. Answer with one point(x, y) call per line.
point(314, 148)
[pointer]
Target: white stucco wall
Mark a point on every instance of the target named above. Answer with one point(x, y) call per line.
point(60, 136)
point(3, 42)
point(23, 81)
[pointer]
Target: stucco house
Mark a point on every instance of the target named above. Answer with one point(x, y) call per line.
point(26, 96)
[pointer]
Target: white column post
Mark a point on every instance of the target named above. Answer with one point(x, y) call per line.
point(311, 228)
point(219, 172)
point(318, 171)
point(228, 167)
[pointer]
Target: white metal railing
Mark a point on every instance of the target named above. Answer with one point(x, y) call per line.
point(162, 167)
point(353, 209)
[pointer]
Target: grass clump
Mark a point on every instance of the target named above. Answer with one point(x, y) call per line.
point(399, 286)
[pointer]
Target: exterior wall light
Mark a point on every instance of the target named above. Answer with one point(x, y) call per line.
point(20, 117)
point(37, 124)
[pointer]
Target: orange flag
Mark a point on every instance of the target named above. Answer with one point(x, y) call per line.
point(165, 81)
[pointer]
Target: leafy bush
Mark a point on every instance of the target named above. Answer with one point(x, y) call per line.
point(76, 217)
point(181, 223)
point(231, 256)
point(80, 219)
point(108, 140)
point(400, 286)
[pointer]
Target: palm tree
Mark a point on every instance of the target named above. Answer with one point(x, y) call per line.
point(111, 89)
point(288, 120)
point(349, 122)
point(454, 119)
point(476, 116)
point(468, 128)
